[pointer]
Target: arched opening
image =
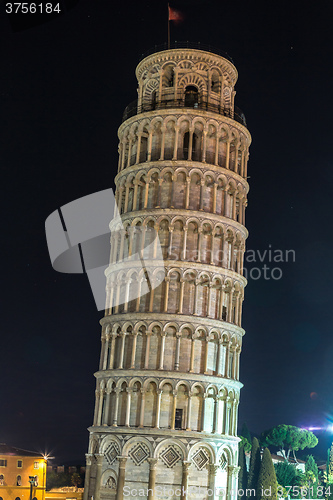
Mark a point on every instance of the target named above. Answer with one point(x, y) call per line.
point(166, 406)
point(215, 82)
point(195, 188)
point(153, 191)
point(155, 348)
point(196, 413)
point(174, 292)
point(206, 244)
point(135, 405)
point(112, 415)
point(179, 194)
point(185, 350)
point(196, 152)
point(150, 405)
point(189, 292)
point(140, 350)
point(177, 240)
point(192, 242)
point(191, 96)
point(182, 407)
point(166, 190)
point(186, 145)
point(168, 76)
point(159, 292)
point(163, 234)
point(122, 404)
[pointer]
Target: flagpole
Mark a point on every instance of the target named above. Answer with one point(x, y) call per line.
point(168, 27)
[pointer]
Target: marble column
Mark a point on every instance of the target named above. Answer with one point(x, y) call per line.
point(192, 355)
point(142, 408)
point(186, 466)
point(89, 457)
point(158, 408)
point(163, 335)
point(189, 411)
point(116, 405)
point(152, 478)
point(177, 354)
point(99, 463)
point(129, 391)
point(174, 406)
point(107, 407)
point(213, 468)
point(121, 478)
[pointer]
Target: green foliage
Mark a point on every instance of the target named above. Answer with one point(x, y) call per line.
point(246, 434)
point(267, 484)
point(288, 437)
point(76, 479)
point(242, 475)
point(245, 443)
point(311, 466)
point(286, 474)
point(254, 465)
point(330, 466)
point(308, 480)
point(54, 480)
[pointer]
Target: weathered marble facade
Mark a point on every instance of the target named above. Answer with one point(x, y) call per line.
point(168, 385)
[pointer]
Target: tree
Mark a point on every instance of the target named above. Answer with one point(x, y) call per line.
point(267, 484)
point(242, 475)
point(288, 438)
point(54, 480)
point(330, 466)
point(310, 465)
point(245, 443)
point(286, 474)
point(254, 465)
point(246, 434)
point(76, 479)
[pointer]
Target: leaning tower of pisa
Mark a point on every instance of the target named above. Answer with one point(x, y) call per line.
point(168, 382)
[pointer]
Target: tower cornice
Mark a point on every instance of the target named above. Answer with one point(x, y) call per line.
point(179, 114)
point(182, 319)
point(205, 167)
point(163, 375)
point(193, 55)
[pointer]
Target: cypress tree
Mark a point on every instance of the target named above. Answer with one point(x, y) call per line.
point(242, 475)
point(310, 465)
point(267, 484)
point(330, 466)
point(246, 433)
point(254, 465)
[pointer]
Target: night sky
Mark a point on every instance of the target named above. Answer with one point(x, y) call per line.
point(63, 87)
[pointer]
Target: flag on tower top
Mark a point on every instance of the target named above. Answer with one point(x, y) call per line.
point(175, 15)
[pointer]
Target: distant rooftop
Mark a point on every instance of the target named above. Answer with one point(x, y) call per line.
point(5, 449)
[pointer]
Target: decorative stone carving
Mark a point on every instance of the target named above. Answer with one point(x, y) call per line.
point(200, 459)
point(170, 456)
point(139, 453)
point(111, 453)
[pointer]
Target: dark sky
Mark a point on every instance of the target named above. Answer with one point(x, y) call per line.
point(63, 87)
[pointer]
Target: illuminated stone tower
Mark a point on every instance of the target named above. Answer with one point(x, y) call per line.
point(168, 383)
